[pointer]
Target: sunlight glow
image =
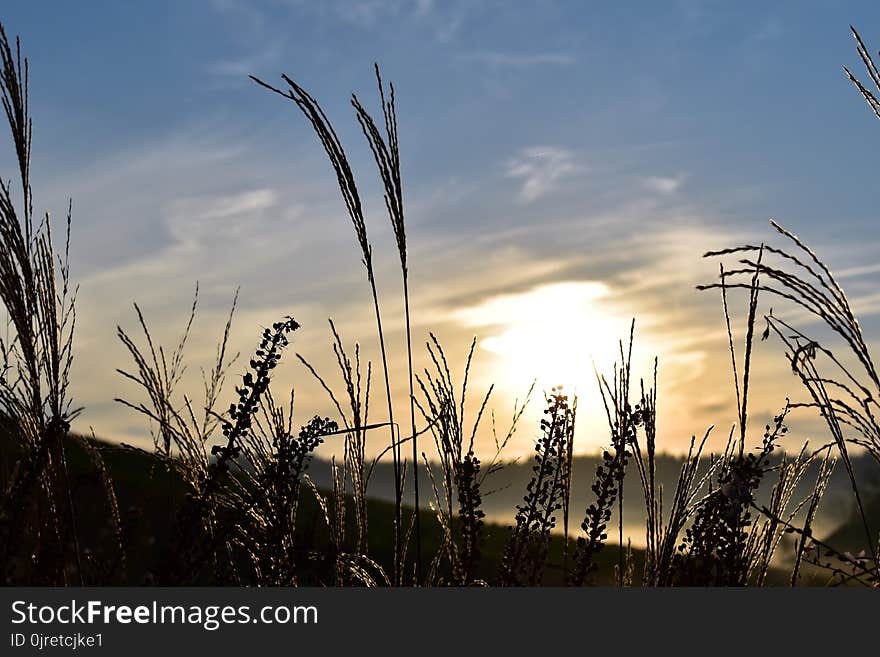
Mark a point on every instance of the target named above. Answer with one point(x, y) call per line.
point(553, 333)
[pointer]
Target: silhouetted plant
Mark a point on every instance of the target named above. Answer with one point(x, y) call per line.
point(238, 521)
point(349, 191)
point(38, 537)
point(199, 530)
point(623, 421)
point(847, 568)
point(356, 422)
point(104, 561)
point(609, 474)
point(183, 430)
point(386, 153)
point(824, 476)
point(661, 555)
point(715, 548)
point(276, 459)
point(444, 410)
point(873, 73)
point(527, 549)
point(845, 397)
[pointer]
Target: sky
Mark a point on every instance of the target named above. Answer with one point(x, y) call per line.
point(565, 166)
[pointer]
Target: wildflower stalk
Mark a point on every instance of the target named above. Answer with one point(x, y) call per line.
point(196, 537)
point(526, 552)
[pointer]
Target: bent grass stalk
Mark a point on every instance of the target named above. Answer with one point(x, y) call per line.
point(326, 134)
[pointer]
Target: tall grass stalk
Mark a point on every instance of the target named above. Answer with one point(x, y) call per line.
point(326, 134)
point(356, 423)
point(444, 410)
point(37, 353)
point(386, 153)
point(845, 395)
point(872, 71)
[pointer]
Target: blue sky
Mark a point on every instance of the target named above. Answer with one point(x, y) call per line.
point(544, 143)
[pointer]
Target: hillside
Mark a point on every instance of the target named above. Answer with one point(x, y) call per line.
point(505, 489)
point(148, 496)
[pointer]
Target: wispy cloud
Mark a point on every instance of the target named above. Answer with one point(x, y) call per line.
point(442, 19)
point(269, 54)
point(855, 272)
point(291, 254)
point(519, 60)
point(664, 184)
point(541, 169)
point(196, 222)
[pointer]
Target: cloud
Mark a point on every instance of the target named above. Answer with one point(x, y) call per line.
point(664, 184)
point(555, 329)
point(443, 19)
point(541, 300)
point(856, 272)
point(198, 222)
point(249, 64)
point(230, 216)
point(294, 255)
point(541, 169)
point(224, 207)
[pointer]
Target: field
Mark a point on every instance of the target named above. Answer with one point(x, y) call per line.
point(235, 492)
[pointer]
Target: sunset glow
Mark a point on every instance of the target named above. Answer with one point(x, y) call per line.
point(553, 334)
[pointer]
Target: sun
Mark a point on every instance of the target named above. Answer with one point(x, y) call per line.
point(553, 334)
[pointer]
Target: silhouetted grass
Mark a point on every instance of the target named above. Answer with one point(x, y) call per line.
point(38, 534)
point(224, 497)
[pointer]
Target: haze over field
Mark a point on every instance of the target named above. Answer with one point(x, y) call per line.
point(565, 165)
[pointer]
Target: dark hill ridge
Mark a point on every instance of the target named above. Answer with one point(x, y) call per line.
point(506, 487)
point(148, 497)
